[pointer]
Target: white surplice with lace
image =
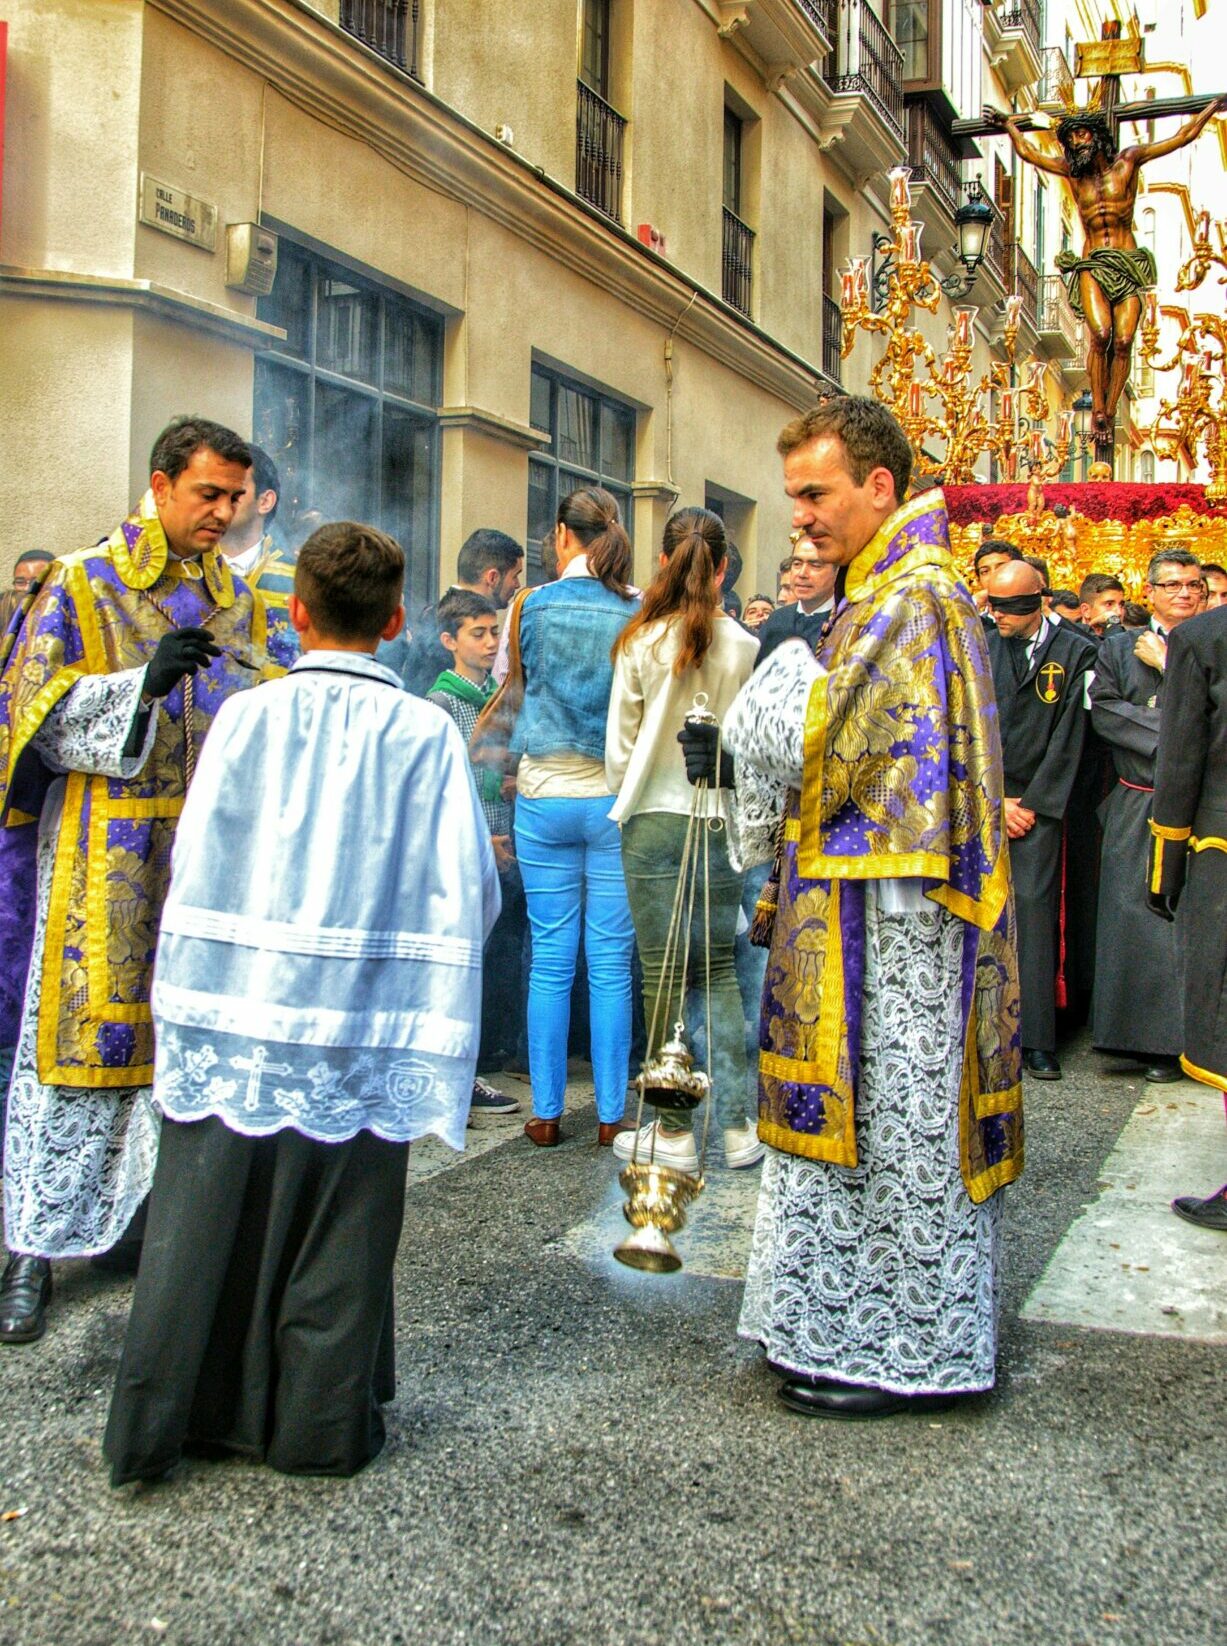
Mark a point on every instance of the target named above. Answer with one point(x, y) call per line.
point(333, 883)
point(884, 1274)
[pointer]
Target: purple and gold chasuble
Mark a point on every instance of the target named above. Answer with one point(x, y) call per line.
point(902, 780)
point(100, 611)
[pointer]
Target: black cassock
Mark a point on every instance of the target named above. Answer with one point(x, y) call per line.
point(1138, 1005)
point(1189, 824)
point(1043, 725)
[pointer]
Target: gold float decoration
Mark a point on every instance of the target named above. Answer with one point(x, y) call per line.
point(937, 399)
point(1192, 423)
point(1074, 546)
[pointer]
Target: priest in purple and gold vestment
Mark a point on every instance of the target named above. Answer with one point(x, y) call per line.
point(121, 662)
point(890, 1061)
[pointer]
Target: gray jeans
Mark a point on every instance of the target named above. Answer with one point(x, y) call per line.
point(651, 861)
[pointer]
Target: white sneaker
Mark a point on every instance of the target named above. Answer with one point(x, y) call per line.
point(672, 1148)
point(742, 1146)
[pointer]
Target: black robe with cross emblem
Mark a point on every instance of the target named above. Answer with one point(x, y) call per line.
point(1043, 726)
point(1138, 1005)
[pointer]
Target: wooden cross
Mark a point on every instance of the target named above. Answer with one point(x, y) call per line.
point(1107, 59)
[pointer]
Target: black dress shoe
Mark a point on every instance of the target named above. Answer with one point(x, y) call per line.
point(1162, 1071)
point(1043, 1065)
point(822, 1398)
point(1210, 1213)
point(25, 1292)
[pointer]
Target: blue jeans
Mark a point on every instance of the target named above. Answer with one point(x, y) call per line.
point(571, 860)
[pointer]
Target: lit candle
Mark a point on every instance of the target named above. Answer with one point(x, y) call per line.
point(860, 276)
point(900, 189)
point(1035, 376)
point(909, 243)
point(1188, 379)
point(1037, 446)
point(847, 290)
point(1065, 427)
point(915, 400)
point(964, 321)
point(1007, 406)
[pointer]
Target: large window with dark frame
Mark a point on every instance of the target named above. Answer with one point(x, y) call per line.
point(592, 443)
point(347, 407)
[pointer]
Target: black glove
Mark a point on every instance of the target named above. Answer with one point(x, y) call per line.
point(1163, 904)
point(181, 652)
point(699, 744)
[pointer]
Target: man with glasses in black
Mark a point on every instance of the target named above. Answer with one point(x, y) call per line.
point(1138, 1006)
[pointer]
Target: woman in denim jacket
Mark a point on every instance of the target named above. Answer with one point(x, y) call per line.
point(566, 843)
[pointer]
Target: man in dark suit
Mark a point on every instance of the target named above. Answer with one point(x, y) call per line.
point(1138, 1007)
point(1189, 826)
point(812, 584)
point(1039, 670)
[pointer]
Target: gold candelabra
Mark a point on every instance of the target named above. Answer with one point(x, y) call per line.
point(1194, 421)
point(1204, 256)
point(938, 400)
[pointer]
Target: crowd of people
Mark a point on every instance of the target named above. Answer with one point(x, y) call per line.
point(959, 813)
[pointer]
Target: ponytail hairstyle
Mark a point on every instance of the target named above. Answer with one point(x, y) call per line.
point(592, 514)
point(684, 591)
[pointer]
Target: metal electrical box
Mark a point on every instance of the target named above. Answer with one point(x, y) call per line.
point(251, 258)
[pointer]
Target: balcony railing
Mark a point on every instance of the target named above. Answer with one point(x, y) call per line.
point(822, 13)
point(1026, 283)
point(389, 27)
point(598, 153)
point(932, 156)
point(832, 339)
point(1056, 80)
point(737, 262)
point(997, 256)
point(1056, 318)
point(1025, 16)
point(867, 60)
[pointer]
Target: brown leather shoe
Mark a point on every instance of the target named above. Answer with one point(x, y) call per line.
point(544, 1133)
point(609, 1129)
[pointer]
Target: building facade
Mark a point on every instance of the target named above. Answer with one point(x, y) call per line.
point(517, 248)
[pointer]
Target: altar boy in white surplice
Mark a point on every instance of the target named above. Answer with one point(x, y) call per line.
point(317, 1006)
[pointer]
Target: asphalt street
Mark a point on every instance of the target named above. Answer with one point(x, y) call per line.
point(582, 1455)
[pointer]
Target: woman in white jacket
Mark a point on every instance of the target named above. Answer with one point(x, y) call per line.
point(679, 644)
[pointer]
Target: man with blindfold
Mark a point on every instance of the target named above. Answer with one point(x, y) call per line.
point(1039, 669)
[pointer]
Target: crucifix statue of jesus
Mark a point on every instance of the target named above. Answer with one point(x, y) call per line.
point(1106, 283)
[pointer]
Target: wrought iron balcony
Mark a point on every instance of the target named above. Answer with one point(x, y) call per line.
point(867, 60)
point(822, 14)
point(1056, 83)
point(832, 339)
point(598, 153)
point(1026, 284)
point(1022, 16)
point(997, 256)
point(932, 156)
point(1058, 325)
point(737, 262)
point(389, 27)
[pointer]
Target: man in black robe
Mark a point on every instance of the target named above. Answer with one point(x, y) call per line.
point(1189, 825)
point(1039, 669)
point(1138, 1007)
